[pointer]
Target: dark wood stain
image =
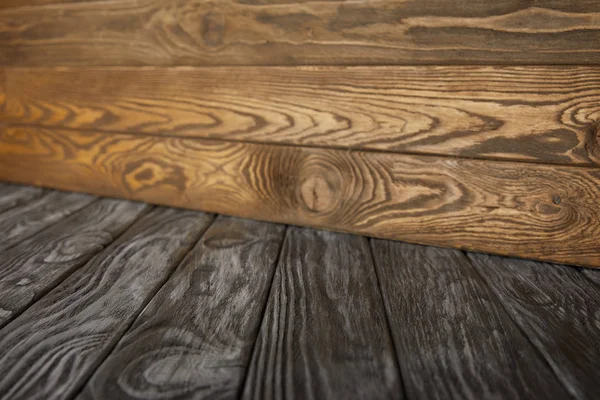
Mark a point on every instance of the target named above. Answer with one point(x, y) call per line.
point(324, 333)
point(453, 338)
point(494, 206)
point(533, 114)
point(51, 349)
point(168, 32)
point(194, 339)
point(558, 308)
point(30, 269)
point(15, 196)
point(21, 222)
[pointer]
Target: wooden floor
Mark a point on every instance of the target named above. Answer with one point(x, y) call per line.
point(111, 299)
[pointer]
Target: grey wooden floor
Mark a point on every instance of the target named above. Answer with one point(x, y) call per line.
point(111, 299)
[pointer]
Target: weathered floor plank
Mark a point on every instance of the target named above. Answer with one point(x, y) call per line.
point(15, 195)
point(50, 350)
point(324, 334)
point(195, 338)
point(36, 265)
point(453, 338)
point(21, 222)
point(558, 308)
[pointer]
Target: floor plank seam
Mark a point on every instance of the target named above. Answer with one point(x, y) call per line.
point(64, 217)
point(139, 312)
point(263, 313)
point(44, 292)
point(387, 320)
point(518, 325)
point(408, 153)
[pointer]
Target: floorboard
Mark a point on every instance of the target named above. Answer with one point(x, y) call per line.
point(14, 195)
point(21, 222)
point(36, 265)
point(559, 310)
point(50, 350)
point(195, 338)
point(324, 334)
point(453, 338)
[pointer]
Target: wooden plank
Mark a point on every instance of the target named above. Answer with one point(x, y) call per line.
point(557, 308)
point(38, 264)
point(453, 338)
point(21, 222)
point(291, 32)
point(195, 338)
point(29, 3)
point(15, 196)
point(324, 334)
point(51, 349)
point(536, 211)
point(542, 114)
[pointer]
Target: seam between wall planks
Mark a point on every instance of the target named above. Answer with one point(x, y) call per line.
point(540, 115)
point(308, 146)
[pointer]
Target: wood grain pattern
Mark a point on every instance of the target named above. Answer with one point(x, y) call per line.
point(536, 211)
point(20, 223)
point(195, 338)
point(542, 114)
point(558, 309)
point(453, 338)
point(291, 32)
point(50, 350)
point(29, 3)
point(14, 196)
point(324, 334)
point(38, 264)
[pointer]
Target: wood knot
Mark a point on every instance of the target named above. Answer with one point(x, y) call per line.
point(317, 194)
point(556, 199)
point(213, 29)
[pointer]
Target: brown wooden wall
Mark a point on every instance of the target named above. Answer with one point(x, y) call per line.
point(470, 124)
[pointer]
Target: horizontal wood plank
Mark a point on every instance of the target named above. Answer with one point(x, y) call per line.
point(557, 308)
point(540, 114)
point(21, 222)
point(453, 338)
point(324, 333)
point(292, 32)
point(51, 350)
point(32, 268)
point(529, 210)
point(195, 338)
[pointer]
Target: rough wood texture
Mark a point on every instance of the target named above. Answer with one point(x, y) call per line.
point(205, 32)
point(536, 211)
point(31, 269)
point(19, 223)
point(50, 350)
point(542, 114)
point(453, 338)
point(324, 334)
point(194, 340)
point(559, 309)
point(14, 196)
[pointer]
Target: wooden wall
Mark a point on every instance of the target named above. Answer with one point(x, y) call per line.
point(470, 124)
